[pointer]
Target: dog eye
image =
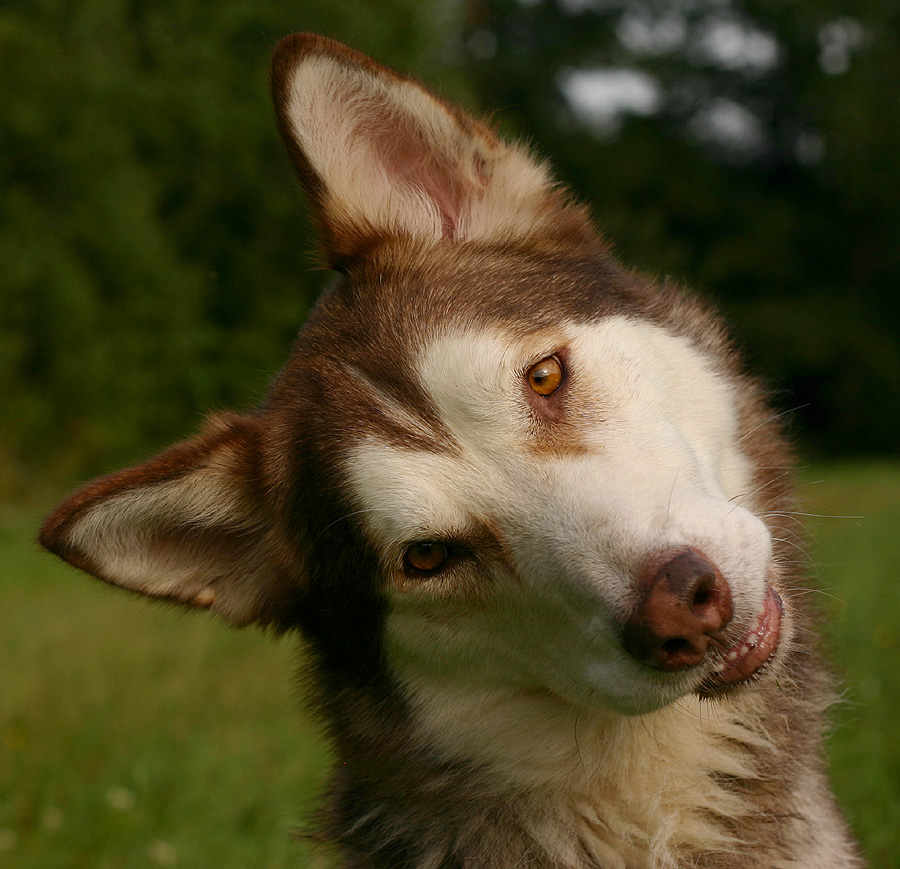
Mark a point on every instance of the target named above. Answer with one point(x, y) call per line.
point(426, 557)
point(545, 377)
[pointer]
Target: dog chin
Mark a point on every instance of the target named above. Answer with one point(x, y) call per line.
point(640, 695)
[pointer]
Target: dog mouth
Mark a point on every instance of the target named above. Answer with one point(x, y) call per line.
point(748, 657)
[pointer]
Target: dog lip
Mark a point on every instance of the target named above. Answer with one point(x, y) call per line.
point(747, 656)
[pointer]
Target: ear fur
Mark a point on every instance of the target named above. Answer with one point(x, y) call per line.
point(382, 156)
point(189, 526)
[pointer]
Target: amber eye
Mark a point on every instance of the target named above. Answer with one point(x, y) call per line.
point(426, 557)
point(545, 377)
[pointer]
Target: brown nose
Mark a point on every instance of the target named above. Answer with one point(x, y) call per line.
point(683, 604)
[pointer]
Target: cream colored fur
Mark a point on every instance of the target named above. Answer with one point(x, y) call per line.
point(199, 539)
point(340, 114)
point(579, 526)
point(638, 793)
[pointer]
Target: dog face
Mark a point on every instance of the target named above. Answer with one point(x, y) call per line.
point(495, 465)
point(547, 529)
point(513, 533)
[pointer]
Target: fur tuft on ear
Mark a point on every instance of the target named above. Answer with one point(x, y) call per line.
point(382, 156)
point(189, 526)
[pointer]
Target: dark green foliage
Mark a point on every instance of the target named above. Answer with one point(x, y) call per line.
point(155, 259)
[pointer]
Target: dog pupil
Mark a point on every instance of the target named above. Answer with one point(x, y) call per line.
point(545, 376)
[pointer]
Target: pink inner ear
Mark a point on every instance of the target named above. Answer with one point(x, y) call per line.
point(412, 161)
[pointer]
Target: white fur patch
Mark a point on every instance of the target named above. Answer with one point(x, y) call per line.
point(637, 792)
point(660, 468)
point(518, 664)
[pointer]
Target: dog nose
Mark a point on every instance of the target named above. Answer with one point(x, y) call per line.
point(683, 605)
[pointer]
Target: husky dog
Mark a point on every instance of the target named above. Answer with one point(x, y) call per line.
point(525, 508)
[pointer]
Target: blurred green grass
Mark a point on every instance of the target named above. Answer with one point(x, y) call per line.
point(855, 567)
point(133, 736)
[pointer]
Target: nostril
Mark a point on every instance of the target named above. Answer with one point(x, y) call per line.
point(677, 646)
point(705, 593)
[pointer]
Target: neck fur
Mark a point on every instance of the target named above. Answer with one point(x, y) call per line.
point(630, 791)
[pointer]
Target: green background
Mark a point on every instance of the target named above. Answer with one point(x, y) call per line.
point(156, 261)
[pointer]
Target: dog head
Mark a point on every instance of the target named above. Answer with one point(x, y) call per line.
point(495, 462)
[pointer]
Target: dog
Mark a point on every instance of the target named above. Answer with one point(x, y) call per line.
point(529, 514)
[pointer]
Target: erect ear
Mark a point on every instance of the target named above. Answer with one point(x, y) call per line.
point(381, 155)
point(192, 525)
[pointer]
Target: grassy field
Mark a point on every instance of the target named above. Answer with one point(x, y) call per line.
point(132, 736)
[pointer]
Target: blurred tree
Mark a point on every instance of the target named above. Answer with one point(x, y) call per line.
point(747, 147)
point(154, 257)
point(154, 253)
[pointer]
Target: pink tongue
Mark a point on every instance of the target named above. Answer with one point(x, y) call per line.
point(751, 656)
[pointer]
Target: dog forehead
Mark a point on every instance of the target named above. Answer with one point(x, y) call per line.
point(648, 367)
point(471, 376)
point(622, 364)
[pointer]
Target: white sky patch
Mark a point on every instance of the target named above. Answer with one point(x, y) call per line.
point(809, 147)
point(642, 6)
point(601, 98)
point(573, 6)
point(837, 42)
point(718, 37)
point(651, 36)
point(645, 8)
point(732, 45)
point(727, 123)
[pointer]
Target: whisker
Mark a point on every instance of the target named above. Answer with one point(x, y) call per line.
point(577, 746)
point(807, 557)
point(813, 515)
point(802, 592)
point(796, 535)
point(354, 513)
point(774, 416)
point(761, 488)
point(672, 490)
